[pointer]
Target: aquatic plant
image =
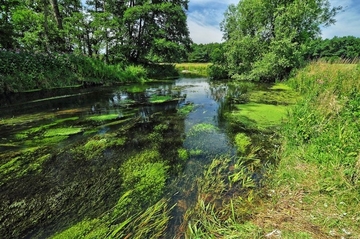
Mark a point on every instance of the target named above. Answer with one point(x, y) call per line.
point(186, 109)
point(62, 131)
point(202, 128)
point(242, 142)
point(183, 154)
point(104, 117)
point(156, 99)
point(144, 174)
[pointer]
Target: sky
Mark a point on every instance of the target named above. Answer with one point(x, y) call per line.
point(204, 17)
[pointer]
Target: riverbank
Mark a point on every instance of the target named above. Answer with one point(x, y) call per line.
point(27, 71)
point(313, 191)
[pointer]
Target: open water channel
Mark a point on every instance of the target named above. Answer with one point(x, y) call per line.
point(65, 154)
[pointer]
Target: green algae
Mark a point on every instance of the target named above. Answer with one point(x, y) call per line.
point(156, 99)
point(96, 145)
point(87, 228)
point(104, 117)
point(242, 142)
point(202, 128)
point(186, 109)
point(145, 175)
point(62, 131)
point(23, 162)
point(277, 94)
point(46, 141)
point(260, 115)
point(183, 154)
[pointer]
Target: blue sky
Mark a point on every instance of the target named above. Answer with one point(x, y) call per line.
point(204, 17)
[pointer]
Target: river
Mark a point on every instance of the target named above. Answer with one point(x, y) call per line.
point(65, 153)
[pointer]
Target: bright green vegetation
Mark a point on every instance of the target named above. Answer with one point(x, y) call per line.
point(62, 132)
point(104, 117)
point(260, 115)
point(242, 142)
point(23, 162)
point(183, 154)
point(261, 109)
point(186, 109)
point(193, 69)
point(156, 99)
point(202, 128)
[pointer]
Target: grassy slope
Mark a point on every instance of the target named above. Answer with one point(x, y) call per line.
point(315, 190)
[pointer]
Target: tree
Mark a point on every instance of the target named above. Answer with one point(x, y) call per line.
point(265, 39)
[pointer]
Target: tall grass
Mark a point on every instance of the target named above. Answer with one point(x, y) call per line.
point(316, 185)
point(193, 69)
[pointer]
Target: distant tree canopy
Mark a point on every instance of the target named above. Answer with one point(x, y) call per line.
point(266, 39)
point(120, 30)
point(203, 52)
point(338, 47)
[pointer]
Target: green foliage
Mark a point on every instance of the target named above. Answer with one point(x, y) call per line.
point(347, 47)
point(145, 174)
point(242, 142)
point(155, 99)
point(28, 71)
point(320, 150)
point(186, 109)
point(266, 40)
point(183, 154)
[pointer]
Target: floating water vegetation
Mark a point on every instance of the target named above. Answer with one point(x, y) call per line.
point(62, 131)
point(156, 99)
point(202, 128)
point(104, 117)
point(262, 115)
point(186, 109)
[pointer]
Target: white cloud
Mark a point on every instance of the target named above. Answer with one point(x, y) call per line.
point(347, 21)
point(204, 34)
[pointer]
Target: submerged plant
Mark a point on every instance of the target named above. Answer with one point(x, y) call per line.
point(242, 142)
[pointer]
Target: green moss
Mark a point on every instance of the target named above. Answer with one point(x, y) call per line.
point(242, 142)
point(183, 154)
point(155, 99)
point(104, 117)
point(263, 115)
point(62, 132)
point(46, 141)
point(89, 229)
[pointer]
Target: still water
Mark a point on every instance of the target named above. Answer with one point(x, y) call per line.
point(63, 152)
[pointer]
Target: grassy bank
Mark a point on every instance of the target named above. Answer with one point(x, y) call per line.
point(25, 71)
point(193, 69)
point(314, 190)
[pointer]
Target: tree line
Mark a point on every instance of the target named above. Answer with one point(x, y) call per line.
point(135, 31)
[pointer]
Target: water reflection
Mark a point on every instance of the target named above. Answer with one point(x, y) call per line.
point(64, 188)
